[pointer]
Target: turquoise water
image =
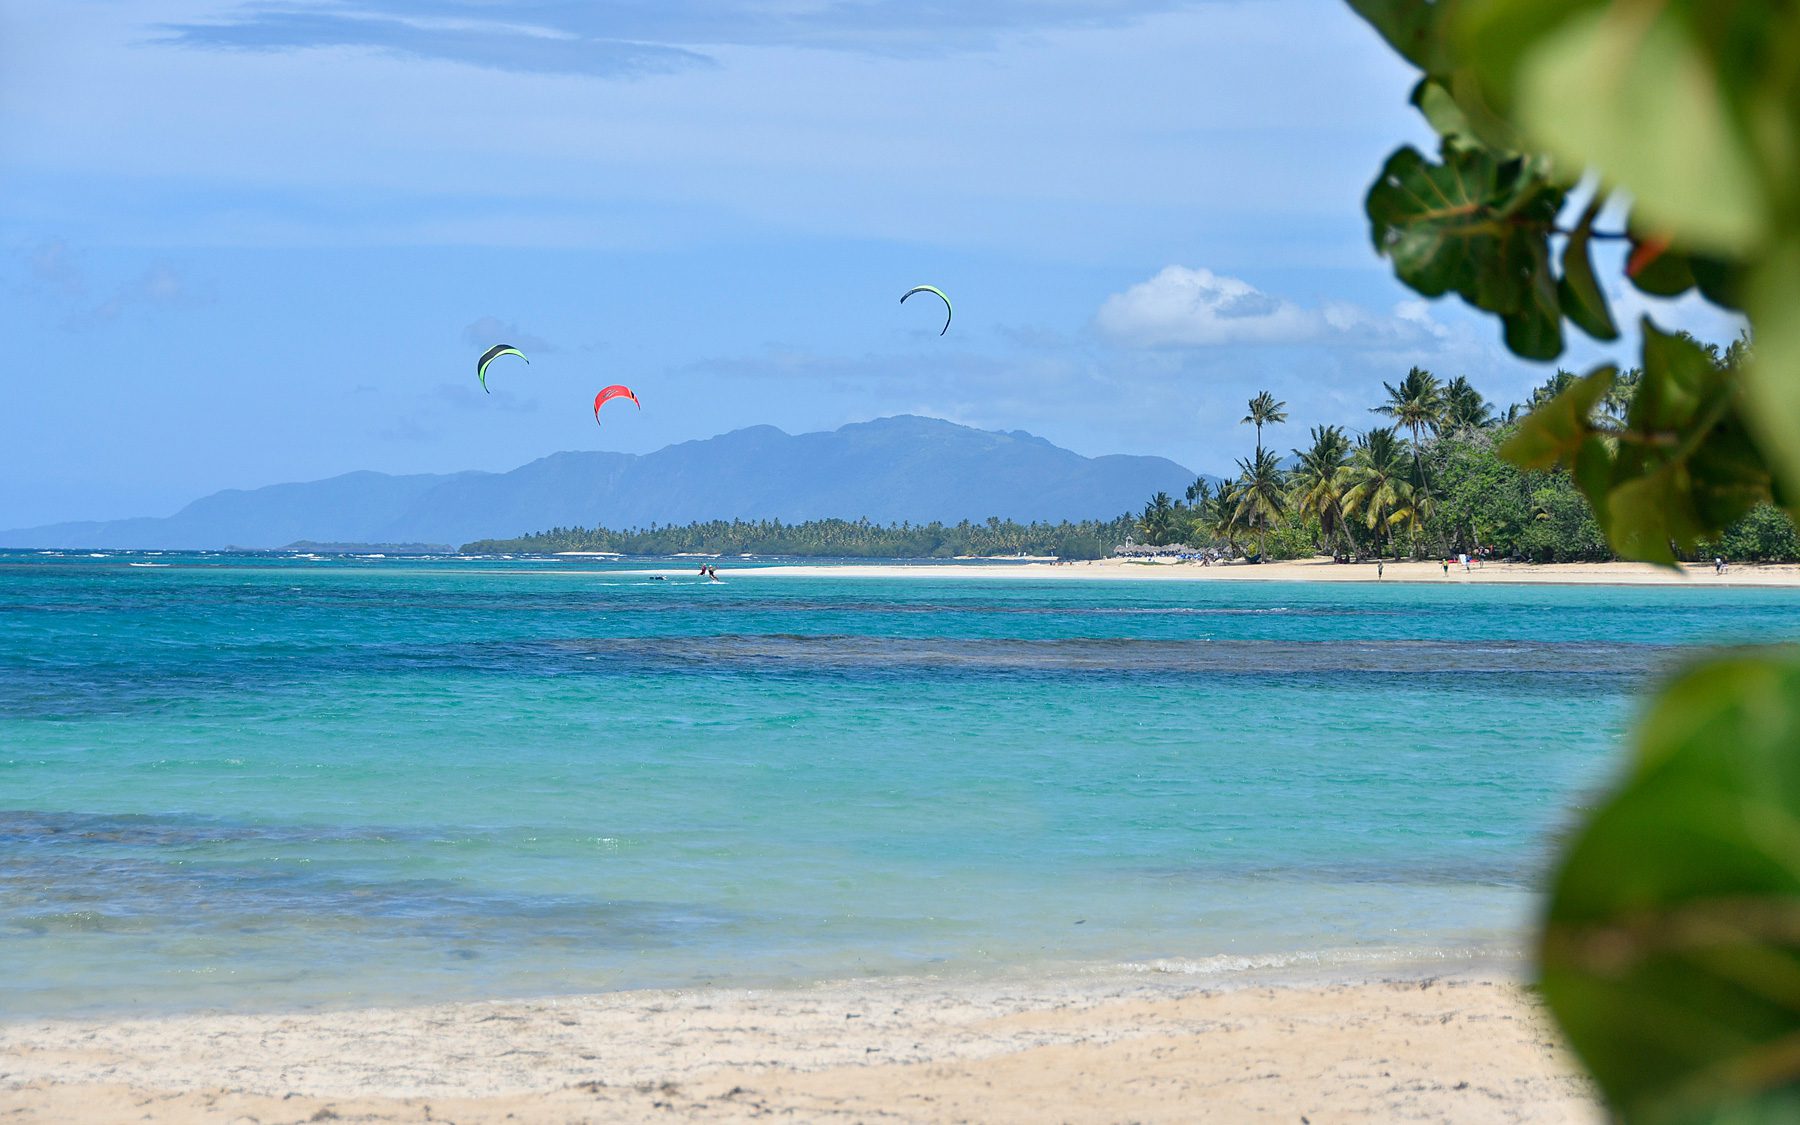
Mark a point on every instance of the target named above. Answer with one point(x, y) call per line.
point(255, 782)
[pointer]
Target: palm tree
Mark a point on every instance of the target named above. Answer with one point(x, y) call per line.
point(1199, 492)
point(1260, 494)
point(1224, 514)
point(1264, 411)
point(1615, 407)
point(1464, 408)
point(1378, 487)
point(1417, 403)
point(1319, 480)
point(1549, 389)
point(1158, 520)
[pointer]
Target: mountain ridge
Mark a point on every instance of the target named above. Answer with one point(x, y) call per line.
point(903, 468)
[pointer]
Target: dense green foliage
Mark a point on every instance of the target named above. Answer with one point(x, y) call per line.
point(1671, 951)
point(832, 538)
point(1441, 487)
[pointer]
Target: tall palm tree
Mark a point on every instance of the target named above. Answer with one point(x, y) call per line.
point(1464, 408)
point(1417, 403)
point(1320, 481)
point(1260, 494)
point(1199, 492)
point(1378, 481)
point(1264, 411)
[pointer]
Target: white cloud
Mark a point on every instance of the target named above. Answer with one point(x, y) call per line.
point(1197, 308)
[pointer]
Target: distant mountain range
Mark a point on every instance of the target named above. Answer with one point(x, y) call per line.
point(889, 470)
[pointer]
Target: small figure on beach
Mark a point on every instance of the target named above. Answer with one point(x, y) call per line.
point(1379, 566)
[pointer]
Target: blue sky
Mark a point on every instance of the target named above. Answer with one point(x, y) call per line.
point(251, 242)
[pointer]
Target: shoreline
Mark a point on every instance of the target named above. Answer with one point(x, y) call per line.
point(1692, 575)
point(1465, 1043)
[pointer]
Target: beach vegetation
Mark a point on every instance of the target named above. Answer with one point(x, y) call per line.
point(1455, 475)
point(1665, 129)
point(858, 539)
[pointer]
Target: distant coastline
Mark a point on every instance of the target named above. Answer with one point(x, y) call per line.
point(307, 546)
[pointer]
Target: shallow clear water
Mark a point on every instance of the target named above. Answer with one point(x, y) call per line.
point(257, 782)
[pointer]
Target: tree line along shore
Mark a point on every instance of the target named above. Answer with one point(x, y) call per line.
point(834, 538)
point(1431, 483)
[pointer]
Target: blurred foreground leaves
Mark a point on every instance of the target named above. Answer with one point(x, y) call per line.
point(1671, 954)
point(1672, 949)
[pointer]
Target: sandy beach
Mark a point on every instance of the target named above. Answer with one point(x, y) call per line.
point(1468, 1047)
point(1324, 570)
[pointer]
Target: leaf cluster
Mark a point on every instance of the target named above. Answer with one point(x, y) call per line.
point(1669, 102)
point(1679, 467)
point(1671, 955)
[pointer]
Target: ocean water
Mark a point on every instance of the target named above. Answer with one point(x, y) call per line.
point(254, 782)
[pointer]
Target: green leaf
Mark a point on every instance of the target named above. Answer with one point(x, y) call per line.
point(1578, 292)
point(1719, 281)
point(1772, 381)
point(1454, 108)
point(1409, 26)
point(1632, 89)
point(1559, 430)
point(1662, 270)
point(1479, 227)
point(1671, 952)
point(1433, 99)
point(1687, 466)
point(1491, 37)
point(1648, 513)
point(1657, 268)
point(1683, 468)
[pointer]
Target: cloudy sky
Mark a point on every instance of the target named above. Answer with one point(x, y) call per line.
point(251, 241)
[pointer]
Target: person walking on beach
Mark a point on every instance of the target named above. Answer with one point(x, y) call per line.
point(1378, 568)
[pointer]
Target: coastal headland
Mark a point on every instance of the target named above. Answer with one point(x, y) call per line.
point(1464, 1047)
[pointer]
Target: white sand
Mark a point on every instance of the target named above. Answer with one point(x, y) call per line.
point(1472, 1049)
point(1321, 570)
